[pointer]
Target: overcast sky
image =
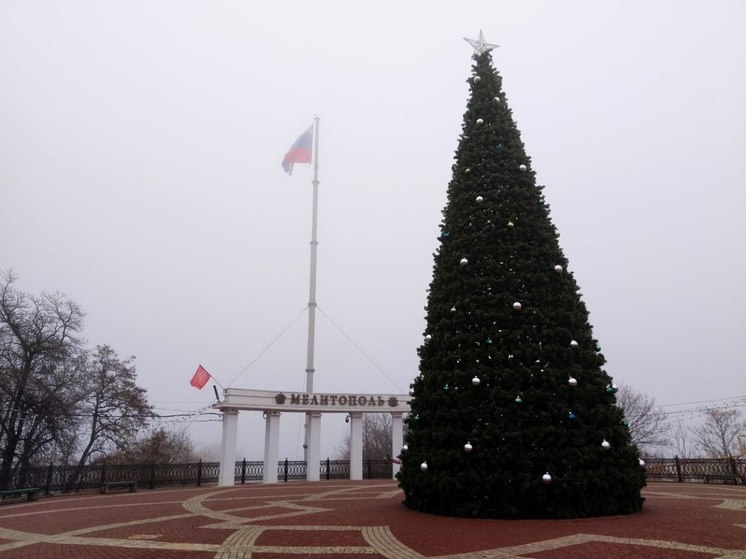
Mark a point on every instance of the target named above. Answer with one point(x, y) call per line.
point(140, 150)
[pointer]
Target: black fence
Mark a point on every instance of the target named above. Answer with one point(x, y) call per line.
point(71, 478)
point(698, 470)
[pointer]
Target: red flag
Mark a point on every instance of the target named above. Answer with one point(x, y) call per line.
point(200, 378)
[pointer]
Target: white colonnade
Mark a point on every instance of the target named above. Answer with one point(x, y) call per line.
point(273, 404)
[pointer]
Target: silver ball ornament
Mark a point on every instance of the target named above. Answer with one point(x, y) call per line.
point(642, 463)
point(606, 445)
point(479, 199)
point(411, 391)
point(405, 448)
point(546, 478)
point(510, 224)
point(572, 381)
point(423, 466)
point(558, 269)
point(428, 338)
point(480, 121)
point(522, 168)
point(477, 79)
point(573, 344)
point(463, 261)
point(468, 447)
point(517, 306)
point(475, 381)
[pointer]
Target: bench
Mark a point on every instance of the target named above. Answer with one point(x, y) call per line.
point(32, 493)
point(130, 485)
point(723, 478)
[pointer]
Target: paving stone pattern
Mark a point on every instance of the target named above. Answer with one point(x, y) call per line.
point(355, 520)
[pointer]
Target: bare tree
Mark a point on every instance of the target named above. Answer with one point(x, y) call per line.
point(681, 442)
point(114, 406)
point(377, 429)
point(158, 446)
point(717, 436)
point(647, 425)
point(57, 398)
point(51, 433)
point(39, 336)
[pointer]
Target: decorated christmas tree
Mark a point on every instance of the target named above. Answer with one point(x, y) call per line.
point(512, 414)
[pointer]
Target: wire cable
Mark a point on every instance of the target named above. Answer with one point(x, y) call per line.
point(277, 337)
point(360, 350)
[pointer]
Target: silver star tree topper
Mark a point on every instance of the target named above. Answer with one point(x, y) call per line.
point(480, 45)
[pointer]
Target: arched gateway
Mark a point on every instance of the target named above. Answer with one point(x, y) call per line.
point(273, 404)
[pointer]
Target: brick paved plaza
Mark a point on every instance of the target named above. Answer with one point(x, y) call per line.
point(355, 520)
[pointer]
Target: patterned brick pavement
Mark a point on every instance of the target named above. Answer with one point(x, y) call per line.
point(356, 520)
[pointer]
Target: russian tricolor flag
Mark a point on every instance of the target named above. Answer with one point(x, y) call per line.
point(300, 151)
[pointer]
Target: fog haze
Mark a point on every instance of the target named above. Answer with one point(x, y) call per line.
point(140, 151)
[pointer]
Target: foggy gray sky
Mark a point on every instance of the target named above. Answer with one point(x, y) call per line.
point(140, 150)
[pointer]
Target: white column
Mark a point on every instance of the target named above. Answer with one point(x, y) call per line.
point(271, 446)
point(397, 439)
point(356, 446)
point(314, 447)
point(228, 449)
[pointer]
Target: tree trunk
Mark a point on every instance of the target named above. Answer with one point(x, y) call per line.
point(9, 451)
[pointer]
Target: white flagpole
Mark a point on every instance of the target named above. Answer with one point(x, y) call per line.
point(312, 289)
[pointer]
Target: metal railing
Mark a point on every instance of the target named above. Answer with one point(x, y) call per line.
point(372, 469)
point(70, 478)
point(698, 470)
point(54, 478)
